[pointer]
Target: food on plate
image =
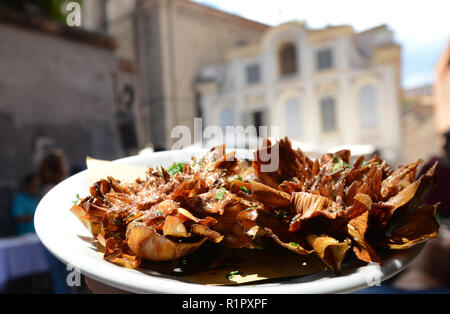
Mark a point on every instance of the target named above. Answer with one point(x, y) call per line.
point(329, 207)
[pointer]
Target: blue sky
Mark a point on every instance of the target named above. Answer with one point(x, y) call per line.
point(421, 27)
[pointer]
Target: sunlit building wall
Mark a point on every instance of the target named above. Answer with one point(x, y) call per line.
point(442, 91)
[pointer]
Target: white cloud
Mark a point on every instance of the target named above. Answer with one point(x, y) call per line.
point(418, 24)
point(418, 80)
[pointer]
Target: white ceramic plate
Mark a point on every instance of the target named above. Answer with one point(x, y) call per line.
point(65, 237)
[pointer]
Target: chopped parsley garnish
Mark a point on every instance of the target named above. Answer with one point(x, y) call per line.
point(232, 273)
point(176, 168)
point(339, 164)
point(157, 212)
point(239, 178)
point(294, 244)
point(220, 193)
point(258, 247)
point(77, 200)
point(243, 188)
point(250, 208)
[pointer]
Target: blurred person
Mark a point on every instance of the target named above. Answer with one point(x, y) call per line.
point(77, 168)
point(24, 205)
point(441, 193)
point(52, 170)
point(430, 269)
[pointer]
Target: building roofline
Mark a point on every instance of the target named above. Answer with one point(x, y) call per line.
point(330, 27)
point(223, 14)
point(331, 31)
point(373, 29)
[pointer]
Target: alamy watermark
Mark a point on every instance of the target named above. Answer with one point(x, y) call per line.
point(74, 13)
point(372, 273)
point(248, 138)
point(73, 278)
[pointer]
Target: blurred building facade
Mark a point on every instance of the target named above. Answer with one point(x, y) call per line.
point(442, 91)
point(326, 86)
point(169, 41)
point(420, 136)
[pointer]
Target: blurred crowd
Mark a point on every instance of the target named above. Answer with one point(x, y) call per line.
point(52, 169)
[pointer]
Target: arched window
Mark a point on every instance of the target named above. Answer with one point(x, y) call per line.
point(328, 112)
point(287, 59)
point(226, 117)
point(368, 104)
point(293, 117)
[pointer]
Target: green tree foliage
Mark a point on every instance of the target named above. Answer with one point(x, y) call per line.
point(49, 9)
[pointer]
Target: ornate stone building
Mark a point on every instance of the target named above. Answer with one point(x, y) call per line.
point(325, 86)
point(328, 86)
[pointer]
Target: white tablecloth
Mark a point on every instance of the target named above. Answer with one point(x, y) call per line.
point(21, 256)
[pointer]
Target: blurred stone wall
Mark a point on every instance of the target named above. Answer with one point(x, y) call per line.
point(56, 89)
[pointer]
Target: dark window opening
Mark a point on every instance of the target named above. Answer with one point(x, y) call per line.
point(257, 119)
point(253, 74)
point(288, 59)
point(328, 111)
point(324, 59)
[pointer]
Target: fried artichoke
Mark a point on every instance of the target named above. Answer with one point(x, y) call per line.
point(327, 206)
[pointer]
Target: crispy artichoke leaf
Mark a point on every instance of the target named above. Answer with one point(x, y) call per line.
point(227, 161)
point(117, 252)
point(357, 228)
point(227, 225)
point(390, 185)
point(380, 215)
point(173, 226)
point(261, 158)
point(80, 213)
point(204, 231)
point(308, 205)
point(362, 203)
point(246, 219)
point(290, 163)
point(269, 196)
point(147, 243)
point(420, 226)
point(427, 182)
point(278, 231)
point(93, 226)
point(291, 245)
point(331, 251)
point(385, 210)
